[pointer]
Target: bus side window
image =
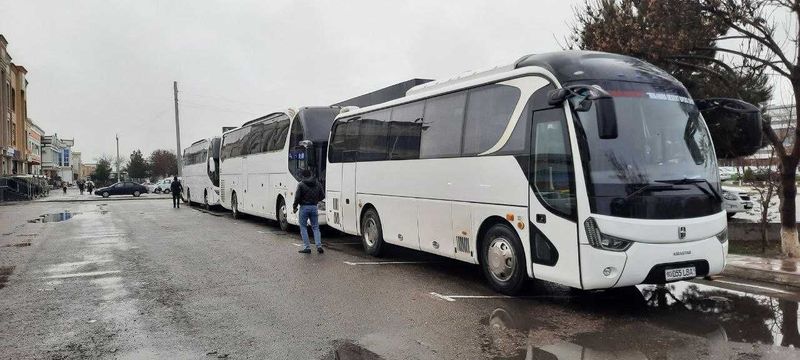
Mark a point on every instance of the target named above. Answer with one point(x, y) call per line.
point(373, 136)
point(405, 131)
point(442, 126)
point(489, 110)
point(553, 175)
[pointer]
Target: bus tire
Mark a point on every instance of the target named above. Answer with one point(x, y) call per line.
point(235, 207)
point(205, 200)
point(372, 233)
point(503, 260)
point(283, 220)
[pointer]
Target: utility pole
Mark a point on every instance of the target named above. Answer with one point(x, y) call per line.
point(177, 129)
point(117, 162)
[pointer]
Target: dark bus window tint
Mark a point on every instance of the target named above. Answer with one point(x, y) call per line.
point(553, 176)
point(266, 137)
point(489, 110)
point(373, 132)
point(442, 125)
point(296, 135)
point(253, 141)
point(351, 141)
point(518, 142)
point(279, 135)
point(337, 141)
point(405, 131)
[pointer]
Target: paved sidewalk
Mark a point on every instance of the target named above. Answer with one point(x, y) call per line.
point(73, 194)
point(779, 271)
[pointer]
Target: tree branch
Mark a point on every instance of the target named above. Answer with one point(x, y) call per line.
point(757, 59)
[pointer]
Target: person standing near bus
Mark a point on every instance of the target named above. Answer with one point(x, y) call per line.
point(176, 188)
point(309, 192)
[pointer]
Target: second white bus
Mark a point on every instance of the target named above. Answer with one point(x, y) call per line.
point(262, 159)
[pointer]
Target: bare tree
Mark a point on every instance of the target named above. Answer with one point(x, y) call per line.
point(751, 42)
point(766, 183)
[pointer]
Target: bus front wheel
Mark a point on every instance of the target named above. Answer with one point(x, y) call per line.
point(235, 207)
point(372, 233)
point(283, 215)
point(503, 260)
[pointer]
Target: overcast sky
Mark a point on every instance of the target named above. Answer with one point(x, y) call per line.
point(101, 67)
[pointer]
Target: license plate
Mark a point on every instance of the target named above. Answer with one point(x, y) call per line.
point(680, 273)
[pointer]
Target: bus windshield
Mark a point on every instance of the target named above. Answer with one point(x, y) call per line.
point(662, 140)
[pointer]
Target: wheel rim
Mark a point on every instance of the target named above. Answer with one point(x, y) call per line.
point(282, 214)
point(501, 260)
point(370, 231)
point(135, 193)
point(105, 194)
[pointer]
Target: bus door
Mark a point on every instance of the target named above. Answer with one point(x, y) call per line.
point(553, 212)
point(347, 202)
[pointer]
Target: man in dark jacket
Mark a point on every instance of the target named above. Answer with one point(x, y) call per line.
point(309, 192)
point(176, 188)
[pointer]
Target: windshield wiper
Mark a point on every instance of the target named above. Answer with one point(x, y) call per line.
point(696, 182)
point(653, 186)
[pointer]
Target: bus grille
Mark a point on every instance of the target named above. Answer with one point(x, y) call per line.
point(222, 191)
point(462, 244)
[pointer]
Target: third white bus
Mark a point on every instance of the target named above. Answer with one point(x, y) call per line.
point(200, 172)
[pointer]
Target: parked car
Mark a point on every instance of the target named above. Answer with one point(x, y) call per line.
point(122, 188)
point(162, 186)
point(150, 186)
point(727, 172)
point(735, 201)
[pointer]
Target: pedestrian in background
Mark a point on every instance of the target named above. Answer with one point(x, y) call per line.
point(81, 186)
point(64, 187)
point(309, 192)
point(176, 188)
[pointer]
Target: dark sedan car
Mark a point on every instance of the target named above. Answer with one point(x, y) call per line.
point(122, 188)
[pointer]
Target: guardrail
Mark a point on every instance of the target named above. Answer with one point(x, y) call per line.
point(17, 188)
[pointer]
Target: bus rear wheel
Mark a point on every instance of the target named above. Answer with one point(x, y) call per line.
point(372, 233)
point(235, 207)
point(503, 260)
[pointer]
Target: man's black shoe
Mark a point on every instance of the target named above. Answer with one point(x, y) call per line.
point(319, 250)
point(305, 251)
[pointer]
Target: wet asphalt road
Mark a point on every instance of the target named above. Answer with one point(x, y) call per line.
point(137, 279)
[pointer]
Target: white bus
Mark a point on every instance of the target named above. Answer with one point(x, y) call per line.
point(262, 159)
point(200, 171)
point(586, 169)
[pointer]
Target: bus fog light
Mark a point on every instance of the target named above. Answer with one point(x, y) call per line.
point(609, 271)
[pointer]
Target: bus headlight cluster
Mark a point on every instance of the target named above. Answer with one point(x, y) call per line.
point(602, 241)
point(321, 205)
point(723, 236)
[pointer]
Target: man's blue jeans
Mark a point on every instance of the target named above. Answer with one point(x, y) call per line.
point(309, 212)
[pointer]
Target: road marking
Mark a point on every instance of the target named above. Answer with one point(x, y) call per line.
point(83, 274)
point(298, 245)
point(385, 262)
point(753, 286)
point(452, 298)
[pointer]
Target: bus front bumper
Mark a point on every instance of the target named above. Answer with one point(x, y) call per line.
point(647, 263)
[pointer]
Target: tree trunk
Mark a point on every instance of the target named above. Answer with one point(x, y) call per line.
point(789, 242)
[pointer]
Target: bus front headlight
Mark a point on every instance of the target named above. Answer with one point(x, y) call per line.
point(602, 241)
point(723, 236)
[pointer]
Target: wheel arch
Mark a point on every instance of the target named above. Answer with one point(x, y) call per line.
point(483, 229)
point(363, 211)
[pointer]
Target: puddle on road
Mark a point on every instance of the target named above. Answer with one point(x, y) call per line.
point(54, 217)
point(680, 320)
point(349, 350)
point(5, 272)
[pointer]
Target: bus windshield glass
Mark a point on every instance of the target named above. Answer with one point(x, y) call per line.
point(662, 163)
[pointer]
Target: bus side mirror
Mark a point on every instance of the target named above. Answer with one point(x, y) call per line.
point(735, 126)
point(606, 118)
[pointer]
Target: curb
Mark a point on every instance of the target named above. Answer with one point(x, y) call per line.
point(769, 276)
point(101, 199)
